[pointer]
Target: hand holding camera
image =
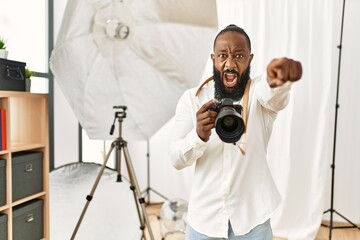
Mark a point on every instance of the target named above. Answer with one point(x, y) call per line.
point(225, 116)
point(205, 120)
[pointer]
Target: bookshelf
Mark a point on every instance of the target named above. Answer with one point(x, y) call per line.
point(27, 129)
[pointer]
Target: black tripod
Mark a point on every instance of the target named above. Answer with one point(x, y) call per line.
point(120, 144)
point(332, 210)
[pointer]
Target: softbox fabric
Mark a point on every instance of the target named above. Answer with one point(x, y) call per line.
point(141, 54)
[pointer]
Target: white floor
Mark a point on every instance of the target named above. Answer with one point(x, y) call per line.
point(111, 214)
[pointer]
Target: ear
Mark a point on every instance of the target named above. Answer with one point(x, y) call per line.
point(251, 58)
point(212, 58)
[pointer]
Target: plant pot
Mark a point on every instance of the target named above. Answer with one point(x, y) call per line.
point(27, 84)
point(3, 53)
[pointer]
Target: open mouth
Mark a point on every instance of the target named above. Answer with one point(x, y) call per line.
point(230, 79)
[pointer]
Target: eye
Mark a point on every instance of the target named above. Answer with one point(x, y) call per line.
point(240, 56)
point(222, 55)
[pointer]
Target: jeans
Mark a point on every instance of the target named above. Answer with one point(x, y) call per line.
point(260, 232)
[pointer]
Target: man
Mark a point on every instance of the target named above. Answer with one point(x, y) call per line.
point(233, 193)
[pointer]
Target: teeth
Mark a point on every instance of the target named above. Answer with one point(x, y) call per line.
point(230, 77)
point(230, 74)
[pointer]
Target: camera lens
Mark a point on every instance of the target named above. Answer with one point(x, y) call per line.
point(229, 125)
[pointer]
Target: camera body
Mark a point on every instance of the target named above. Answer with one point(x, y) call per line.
point(229, 124)
point(226, 102)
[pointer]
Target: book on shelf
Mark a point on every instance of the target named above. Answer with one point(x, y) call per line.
point(0, 131)
point(3, 145)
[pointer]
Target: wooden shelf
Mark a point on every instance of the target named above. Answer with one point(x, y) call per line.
point(27, 129)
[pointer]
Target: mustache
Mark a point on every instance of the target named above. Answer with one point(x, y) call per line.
point(231, 71)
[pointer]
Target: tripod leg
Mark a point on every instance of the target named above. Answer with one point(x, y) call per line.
point(142, 226)
point(118, 164)
point(353, 225)
point(132, 188)
point(90, 196)
point(137, 189)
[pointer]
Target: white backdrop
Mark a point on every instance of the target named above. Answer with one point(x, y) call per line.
point(300, 151)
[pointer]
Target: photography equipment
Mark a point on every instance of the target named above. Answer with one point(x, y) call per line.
point(148, 189)
point(331, 210)
point(229, 124)
point(121, 145)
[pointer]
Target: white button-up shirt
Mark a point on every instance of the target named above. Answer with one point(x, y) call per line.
point(228, 185)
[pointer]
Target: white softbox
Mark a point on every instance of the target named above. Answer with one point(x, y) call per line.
point(139, 53)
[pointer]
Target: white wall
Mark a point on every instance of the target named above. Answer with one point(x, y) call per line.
point(65, 123)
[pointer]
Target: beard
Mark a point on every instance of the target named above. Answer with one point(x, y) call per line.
point(235, 93)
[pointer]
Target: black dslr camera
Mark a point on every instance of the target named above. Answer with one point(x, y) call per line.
point(229, 124)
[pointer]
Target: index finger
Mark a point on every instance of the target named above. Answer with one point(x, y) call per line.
point(206, 105)
point(278, 68)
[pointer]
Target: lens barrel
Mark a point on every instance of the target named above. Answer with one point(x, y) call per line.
point(229, 125)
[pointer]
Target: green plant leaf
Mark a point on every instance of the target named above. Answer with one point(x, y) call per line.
point(2, 43)
point(28, 73)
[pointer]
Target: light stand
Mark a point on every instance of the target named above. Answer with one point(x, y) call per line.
point(148, 189)
point(121, 145)
point(332, 210)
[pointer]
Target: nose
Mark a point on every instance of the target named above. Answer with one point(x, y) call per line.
point(230, 63)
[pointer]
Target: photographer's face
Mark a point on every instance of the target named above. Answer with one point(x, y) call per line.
point(231, 58)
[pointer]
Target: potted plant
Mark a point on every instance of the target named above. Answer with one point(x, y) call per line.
point(3, 51)
point(28, 75)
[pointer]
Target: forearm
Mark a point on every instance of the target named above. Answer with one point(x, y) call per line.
point(274, 99)
point(185, 151)
point(185, 144)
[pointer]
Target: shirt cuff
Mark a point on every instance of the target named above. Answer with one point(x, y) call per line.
point(195, 141)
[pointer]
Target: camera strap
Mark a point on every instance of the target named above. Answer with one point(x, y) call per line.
point(242, 145)
point(245, 103)
point(203, 84)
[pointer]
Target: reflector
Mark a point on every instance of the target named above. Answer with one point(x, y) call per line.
point(139, 53)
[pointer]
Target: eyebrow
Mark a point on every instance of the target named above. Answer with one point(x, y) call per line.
point(235, 51)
